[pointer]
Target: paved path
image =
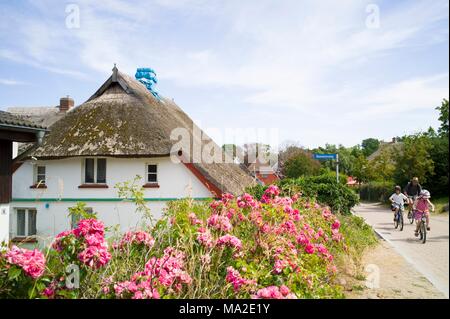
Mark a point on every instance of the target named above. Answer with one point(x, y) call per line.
point(430, 259)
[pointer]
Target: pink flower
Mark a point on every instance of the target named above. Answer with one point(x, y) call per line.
point(57, 242)
point(336, 235)
point(326, 214)
point(89, 227)
point(279, 266)
point(234, 277)
point(227, 197)
point(246, 201)
point(168, 269)
point(205, 238)
point(265, 228)
point(95, 256)
point(230, 241)
point(194, 220)
point(32, 262)
point(219, 222)
point(284, 290)
point(309, 248)
point(48, 292)
point(137, 238)
point(230, 213)
point(274, 292)
point(302, 239)
point(336, 224)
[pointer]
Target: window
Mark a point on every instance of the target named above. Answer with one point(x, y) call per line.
point(26, 222)
point(152, 173)
point(40, 175)
point(95, 170)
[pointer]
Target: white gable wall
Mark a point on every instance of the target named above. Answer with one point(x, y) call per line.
point(64, 176)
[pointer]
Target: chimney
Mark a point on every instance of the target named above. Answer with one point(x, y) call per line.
point(65, 103)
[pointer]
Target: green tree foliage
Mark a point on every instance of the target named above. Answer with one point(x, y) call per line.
point(346, 157)
point(361, 169)
point(382, 168)
point(301, 164)
point(369, 146)
point(443, 117)
point(414, 159)
point(437, 183)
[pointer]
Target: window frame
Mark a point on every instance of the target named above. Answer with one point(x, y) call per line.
point(147, 173)
point(26, 226)
point(95, 173)
point(36, 175)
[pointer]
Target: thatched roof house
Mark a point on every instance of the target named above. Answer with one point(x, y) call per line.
point(123, 119)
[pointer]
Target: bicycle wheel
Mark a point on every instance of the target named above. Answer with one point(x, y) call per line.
point(411, 217)
point(401, 221)
point(396, 221)
point(423, 227)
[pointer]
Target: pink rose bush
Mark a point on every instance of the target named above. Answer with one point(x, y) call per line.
point(136, 238)
point(277, 247)
point(21, 269)
point(86, 243)
point(32, 262)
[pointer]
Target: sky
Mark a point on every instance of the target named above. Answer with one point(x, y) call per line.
point(309, 72)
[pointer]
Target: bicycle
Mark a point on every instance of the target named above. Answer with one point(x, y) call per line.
point(423, 228)
point(399, 218)
point(411, 213)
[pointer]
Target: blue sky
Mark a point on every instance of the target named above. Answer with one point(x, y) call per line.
point(313, 70)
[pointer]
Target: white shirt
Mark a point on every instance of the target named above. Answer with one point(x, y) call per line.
point(398, 198)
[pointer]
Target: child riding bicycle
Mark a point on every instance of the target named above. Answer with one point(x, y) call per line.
point(422, 207)
point(398, 200)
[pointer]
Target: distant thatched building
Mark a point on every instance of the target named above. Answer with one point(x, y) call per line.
point(121, 131)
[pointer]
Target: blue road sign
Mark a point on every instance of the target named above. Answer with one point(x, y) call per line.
point(325, 156)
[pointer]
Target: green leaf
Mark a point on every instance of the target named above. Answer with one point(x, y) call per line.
point(14, 273)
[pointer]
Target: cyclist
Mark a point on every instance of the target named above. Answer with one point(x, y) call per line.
point(422, 206)
point(412, 190)
point(397, 200)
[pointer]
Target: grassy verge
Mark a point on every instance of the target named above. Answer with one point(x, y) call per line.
point(359, 238)
point(440, 203)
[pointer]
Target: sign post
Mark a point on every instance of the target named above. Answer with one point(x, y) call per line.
point(322, 157)
point(337, 168)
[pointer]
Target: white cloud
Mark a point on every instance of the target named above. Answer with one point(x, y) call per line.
point(11, 82)
point(301, 57)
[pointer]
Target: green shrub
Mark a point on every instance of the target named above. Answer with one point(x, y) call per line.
point(376, 191)
point(324, 188)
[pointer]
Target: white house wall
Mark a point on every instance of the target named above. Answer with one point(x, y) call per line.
point(64, 176)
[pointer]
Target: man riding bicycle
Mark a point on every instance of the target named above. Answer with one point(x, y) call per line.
point(412, 190)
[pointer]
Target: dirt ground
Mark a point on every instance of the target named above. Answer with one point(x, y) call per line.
point(390, 275)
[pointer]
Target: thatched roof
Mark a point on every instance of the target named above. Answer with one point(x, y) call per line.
point(44, 116)
point(123, 119)
point(9, 119)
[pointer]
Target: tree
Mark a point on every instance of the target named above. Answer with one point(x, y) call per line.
point(383, 166)
point(369, 146)
point(361, 169)
point(301, 164)
point(443, 117)
point(437, 182)
point(414, 160)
